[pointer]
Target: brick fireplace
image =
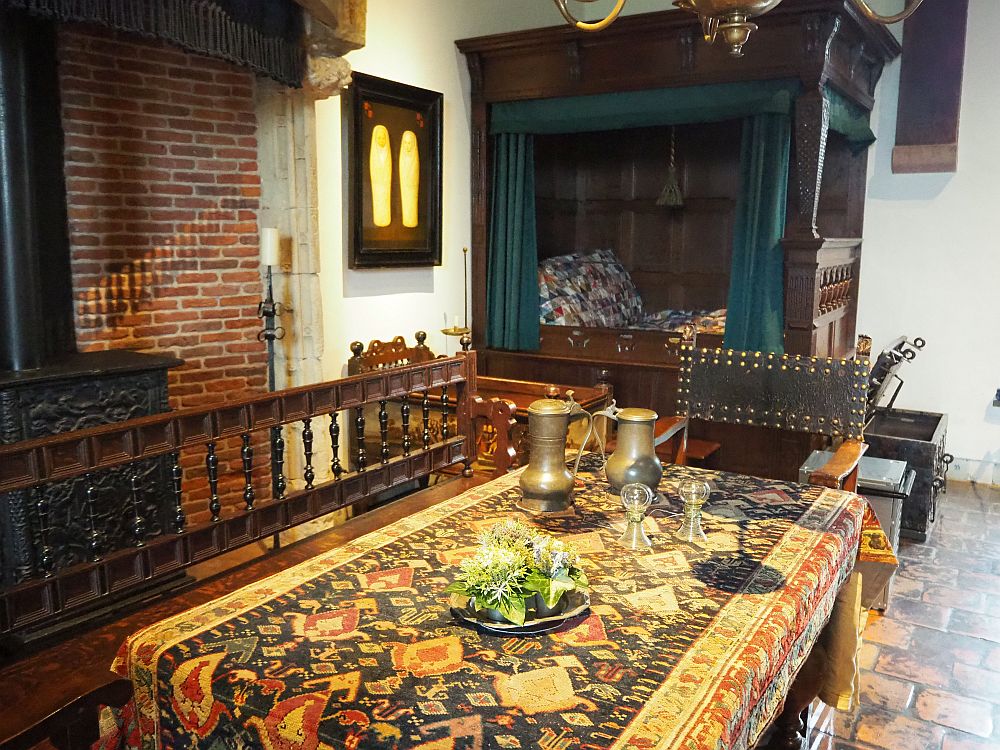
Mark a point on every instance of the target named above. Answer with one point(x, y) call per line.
point(163, 191)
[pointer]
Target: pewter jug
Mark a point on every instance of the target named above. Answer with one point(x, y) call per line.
point(634, 459)
point(547, 485)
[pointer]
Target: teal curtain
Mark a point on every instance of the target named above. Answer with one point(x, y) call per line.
point(850, 120)
point(638, 109)
point(512, 275)
point(755, 317)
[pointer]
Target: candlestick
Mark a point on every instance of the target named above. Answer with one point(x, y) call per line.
point(269, 246)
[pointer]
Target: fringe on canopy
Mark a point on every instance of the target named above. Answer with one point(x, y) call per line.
point(264, 35)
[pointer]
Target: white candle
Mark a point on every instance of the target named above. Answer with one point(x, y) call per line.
point(269, 246)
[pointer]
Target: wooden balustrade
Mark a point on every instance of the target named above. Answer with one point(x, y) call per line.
point(55, 593)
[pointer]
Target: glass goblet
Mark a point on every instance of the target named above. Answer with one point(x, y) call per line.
point(694, 493)
point(636, 499)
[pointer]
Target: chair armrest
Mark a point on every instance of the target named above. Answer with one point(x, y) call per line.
point(666, 427)
point(499, 413)
point(841, 471)
point(75, 725)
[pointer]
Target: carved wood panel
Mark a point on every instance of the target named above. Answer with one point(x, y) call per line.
point(600, 189)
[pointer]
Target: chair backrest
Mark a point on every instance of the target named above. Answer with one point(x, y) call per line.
point(817, 395)
point(382, 354)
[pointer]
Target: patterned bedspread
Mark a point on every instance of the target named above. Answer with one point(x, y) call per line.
point(685, 647)
point(704, 321)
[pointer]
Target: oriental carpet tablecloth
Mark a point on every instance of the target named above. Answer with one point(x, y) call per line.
point(687, 646)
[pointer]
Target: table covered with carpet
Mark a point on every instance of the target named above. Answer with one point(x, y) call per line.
point(686, 646)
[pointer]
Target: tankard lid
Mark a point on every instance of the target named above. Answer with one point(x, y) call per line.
point(549, 406)
point(633, 414)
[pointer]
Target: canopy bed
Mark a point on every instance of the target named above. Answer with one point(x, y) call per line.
point(576, 137)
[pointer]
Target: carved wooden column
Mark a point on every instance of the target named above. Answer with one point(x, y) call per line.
point(481, 165)
point(812, 127)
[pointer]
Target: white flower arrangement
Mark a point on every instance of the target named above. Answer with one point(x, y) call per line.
point(513, 564)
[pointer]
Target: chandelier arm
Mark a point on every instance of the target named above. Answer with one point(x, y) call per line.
point(871, 15)
point(588, 26)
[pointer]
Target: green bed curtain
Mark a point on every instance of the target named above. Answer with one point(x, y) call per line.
point(755, 316)
point(512, 275)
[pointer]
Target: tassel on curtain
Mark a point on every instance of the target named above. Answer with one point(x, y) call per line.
point(263, 35)
point(512, 276)
point(755, 319)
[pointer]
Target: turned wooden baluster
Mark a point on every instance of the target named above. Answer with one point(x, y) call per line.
point(280, 484)
point(444, 412)
point(46, 555)
point(94, 537)
point(359, 427)
point(425, 407)
point(212, 467)
point(176, 476)
point(307, 446)
point(404, 412)
point(138, 524)
point(246, 456)
point(383, 429)
point(335, 465)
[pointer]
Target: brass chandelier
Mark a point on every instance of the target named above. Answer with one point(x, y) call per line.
point(729, 18)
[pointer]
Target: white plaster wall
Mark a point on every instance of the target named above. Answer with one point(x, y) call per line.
point(931, 260)
point(411, 41)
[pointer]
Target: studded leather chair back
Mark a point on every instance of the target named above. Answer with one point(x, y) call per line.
point(817, 395)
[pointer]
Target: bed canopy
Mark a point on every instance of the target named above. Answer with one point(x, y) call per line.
point(755, 320)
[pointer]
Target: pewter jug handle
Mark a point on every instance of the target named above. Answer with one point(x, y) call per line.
point(590, 431)
point(610, 413)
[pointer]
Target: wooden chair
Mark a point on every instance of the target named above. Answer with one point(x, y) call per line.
point(496, 413)
point(75, 726)
point(815, 395)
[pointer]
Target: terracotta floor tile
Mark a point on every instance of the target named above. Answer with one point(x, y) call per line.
point(897, 663)
point(896, 732)
point(992, 661)
point(962, 741)
point(929, 573)
point(931, 665)
point(919, 613)
point(959, 598)
point(885, 692)
point(965, 714)
point(980, 626)
point(981, 581)
point(946, 649)
point(907, 588)
point(889, 631)
point(977, 682)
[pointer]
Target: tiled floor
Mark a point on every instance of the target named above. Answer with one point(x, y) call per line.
point(931, 678)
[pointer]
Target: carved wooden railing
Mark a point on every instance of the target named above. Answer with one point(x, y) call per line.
point(54, 594)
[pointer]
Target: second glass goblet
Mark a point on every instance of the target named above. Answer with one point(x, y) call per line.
point(694, 493)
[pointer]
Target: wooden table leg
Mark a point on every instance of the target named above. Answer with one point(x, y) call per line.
point(790, 728)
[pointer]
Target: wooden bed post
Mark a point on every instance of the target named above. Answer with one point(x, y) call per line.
point(480, 188)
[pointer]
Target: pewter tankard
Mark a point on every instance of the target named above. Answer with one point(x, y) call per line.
point(634, 459)
point(547, 485)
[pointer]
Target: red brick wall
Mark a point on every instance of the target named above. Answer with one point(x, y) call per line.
point(163, 191)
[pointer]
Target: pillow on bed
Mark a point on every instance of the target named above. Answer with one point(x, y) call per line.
point(563, 292)
point(591, 289)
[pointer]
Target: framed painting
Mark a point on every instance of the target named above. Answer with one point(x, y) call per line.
point(392, 157)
